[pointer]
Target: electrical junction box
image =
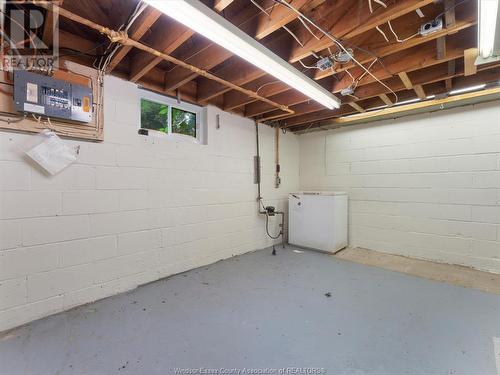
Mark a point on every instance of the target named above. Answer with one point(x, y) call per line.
point(431, 27)
point(324, 64)
point(347, 91)
point(55, 98)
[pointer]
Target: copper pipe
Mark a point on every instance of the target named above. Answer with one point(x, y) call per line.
point(124, 39)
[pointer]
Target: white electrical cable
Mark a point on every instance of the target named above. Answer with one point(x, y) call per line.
point(397, 37)
point(383, 34)
point(308, 28)
point(307, 66)
point(261, 9)
point(293, 36)
point(335, 41)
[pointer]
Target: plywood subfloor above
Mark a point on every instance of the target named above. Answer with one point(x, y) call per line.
point(447, 273)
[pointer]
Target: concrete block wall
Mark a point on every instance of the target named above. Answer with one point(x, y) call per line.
point(133, 209)
point(425, 186)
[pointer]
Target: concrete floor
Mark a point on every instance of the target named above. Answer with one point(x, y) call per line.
point(259, 311)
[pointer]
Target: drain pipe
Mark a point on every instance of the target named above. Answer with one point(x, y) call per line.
point(266, 210)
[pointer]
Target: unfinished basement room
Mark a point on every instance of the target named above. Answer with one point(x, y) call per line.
point(250, 187)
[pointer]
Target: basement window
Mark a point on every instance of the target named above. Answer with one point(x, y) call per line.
point(166, 117)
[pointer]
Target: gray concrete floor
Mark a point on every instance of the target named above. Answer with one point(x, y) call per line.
point(259, 311)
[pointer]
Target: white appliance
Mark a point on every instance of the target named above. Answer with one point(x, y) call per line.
point(318, 220)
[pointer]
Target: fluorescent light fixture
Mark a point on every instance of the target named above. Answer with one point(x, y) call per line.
point(468, 89)
point(489, 42)
point(203, 20)
point(408, 101)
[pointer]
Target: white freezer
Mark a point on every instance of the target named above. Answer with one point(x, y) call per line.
point(318, 220)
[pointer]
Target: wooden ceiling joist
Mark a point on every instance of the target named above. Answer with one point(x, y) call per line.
point(470, 55)
point(167, 41)
point(278, 17)
point(141, 25)
point(220, 5)
point(349, 27)
point(392, 48)
point(395, 47)
point(170, 57)
point(419, 90)
point(490, 74)
point(122, 38)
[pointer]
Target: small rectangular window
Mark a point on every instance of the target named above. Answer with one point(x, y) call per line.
point(178, 120)
point(183, 122)
point(154, 115)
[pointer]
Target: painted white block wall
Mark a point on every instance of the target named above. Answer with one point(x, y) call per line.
point(425, 186)
point(133, 209)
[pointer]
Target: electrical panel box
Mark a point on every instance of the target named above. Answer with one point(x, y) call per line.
point(47, 96)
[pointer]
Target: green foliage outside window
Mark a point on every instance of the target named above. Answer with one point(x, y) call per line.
point(183, 122)
point(154, 116)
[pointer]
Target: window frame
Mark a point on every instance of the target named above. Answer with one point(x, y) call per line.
point(199, 111)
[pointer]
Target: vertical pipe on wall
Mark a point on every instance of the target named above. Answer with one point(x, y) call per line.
point(256, 163)
point(277, 181)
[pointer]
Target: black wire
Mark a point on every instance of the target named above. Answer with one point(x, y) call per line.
point(85, 53)
point(267, 229)
point(450, 8)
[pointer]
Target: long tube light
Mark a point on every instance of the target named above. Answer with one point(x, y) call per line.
point(488, 28)
point(203, 20)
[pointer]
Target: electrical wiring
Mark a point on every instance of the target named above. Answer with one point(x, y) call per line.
point(383, 34)
point(339, 44)
point(265, 85)
point(450, 8)
point(293, 36)
point(397, 37)
point(307, 66)
point(284, 26)
point(261, 8)
point(378, 2)
point(308, 28)
point(10, 119)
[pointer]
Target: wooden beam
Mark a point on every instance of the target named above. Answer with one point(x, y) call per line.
point(406, 80)
point(167, 41)
point(449, 15)
point(173, 37)
point(470, 56)
point(279, 17)
point(357, 107)
point(441, 48)
point(384, 50)
point(237, 70)
point(451, 72)
point(386, 99)
point(395, 47)
point(210, 54)
point(287, 98)
point(349, 27)
point(141, 25)
point(48, 25)
point(489, 74)
point(407, 61)
point(206, 59)
point(419, 90)
point(449, 84)
point(143, 47)
point(220, 5)
point(413, 59)
point(427, 76)
point(494, 92)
